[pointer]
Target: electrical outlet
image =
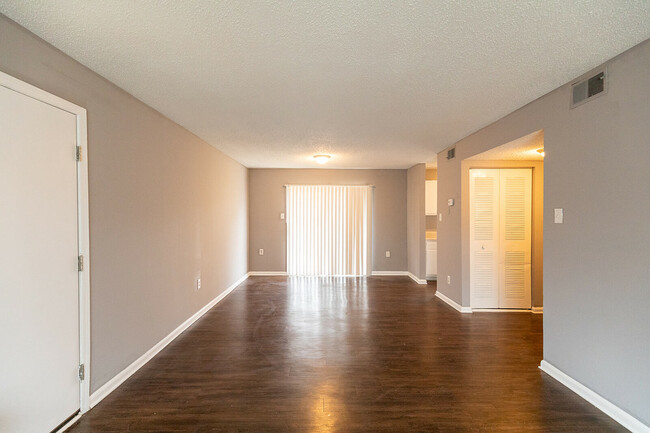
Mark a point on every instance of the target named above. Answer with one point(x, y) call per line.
point(282, 215)
point(387, 253)
point(448, 279)
point(261, 251)
point(198, 284)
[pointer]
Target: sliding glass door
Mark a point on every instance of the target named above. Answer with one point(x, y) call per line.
point(329, 229)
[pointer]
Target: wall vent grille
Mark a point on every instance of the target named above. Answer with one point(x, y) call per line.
point(588, 88)
point(451, 153)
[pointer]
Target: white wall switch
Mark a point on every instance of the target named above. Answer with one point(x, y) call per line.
point(448, 279)
point(261, 251)
point(198, 284)
point(387, 253)
point(282, 215)
point(440, 217)
point(450, 202)
point(559, 215)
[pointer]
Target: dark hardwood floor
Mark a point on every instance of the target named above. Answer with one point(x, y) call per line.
point(380, 354)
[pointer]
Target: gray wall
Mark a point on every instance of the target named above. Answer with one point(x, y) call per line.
point(165, 207)
point(596, 272)
point(266, 196)
point(415, 220)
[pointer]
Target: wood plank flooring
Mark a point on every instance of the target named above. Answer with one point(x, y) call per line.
point(380, 354)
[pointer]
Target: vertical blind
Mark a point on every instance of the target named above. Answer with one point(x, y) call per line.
point(329, 229)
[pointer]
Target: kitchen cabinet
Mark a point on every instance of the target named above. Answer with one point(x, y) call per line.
point(431, 197)
point(432, 258)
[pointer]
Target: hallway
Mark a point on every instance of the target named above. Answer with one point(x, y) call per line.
point(378, 354)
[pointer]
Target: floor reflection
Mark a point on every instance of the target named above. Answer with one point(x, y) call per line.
point(327, 408)
point(319, 315)
point(378, 354)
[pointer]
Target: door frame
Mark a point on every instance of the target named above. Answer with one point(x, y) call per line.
point(466, 223)
point(83, 233)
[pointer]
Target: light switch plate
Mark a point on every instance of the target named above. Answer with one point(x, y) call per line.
point(198, 284)
point(559, 215)
point(440, 217)
point(282, 215)
point(387, 253)
point(261, 251)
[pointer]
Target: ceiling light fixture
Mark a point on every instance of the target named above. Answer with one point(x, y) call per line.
point(541, 151)
point(322, 159)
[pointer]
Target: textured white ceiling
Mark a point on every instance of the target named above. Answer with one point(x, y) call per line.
point(524, 148)
point(378, 83)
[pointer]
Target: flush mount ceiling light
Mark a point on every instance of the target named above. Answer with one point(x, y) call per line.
point(322, 159)
point(541, 151)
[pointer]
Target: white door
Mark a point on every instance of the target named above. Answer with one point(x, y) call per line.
point(484, 238)
point(500, 238)
point(515, 238)
point(39, 289)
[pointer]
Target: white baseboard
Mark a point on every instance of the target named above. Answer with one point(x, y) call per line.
point(389, 273)
point(374, 274)
point(416, 279)
point(501, 310)
point(607, 407)
point(538, 310)
point(118, 379)
point(453, 303)
point(68, 424)
point(267, 274)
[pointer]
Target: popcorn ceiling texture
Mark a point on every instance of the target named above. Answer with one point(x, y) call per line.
point(522, 149)
point(378, 84)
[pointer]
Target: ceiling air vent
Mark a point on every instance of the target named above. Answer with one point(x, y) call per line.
point(588, 88)
point(451, 153)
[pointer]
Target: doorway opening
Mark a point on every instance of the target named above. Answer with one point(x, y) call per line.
point(503, 226)
point(500, 237)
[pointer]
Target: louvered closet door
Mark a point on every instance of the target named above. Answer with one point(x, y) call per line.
point(484, 236)
point(515, 238)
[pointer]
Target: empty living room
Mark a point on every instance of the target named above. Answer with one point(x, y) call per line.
point(324, 216)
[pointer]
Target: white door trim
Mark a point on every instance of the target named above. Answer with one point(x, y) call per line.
point(82, 217)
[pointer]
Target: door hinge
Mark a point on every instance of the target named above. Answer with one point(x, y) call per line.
point(80, 263)
point(78, 153)
point(82, 371)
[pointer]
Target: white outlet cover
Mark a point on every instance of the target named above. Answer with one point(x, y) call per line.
point(198, 284)
point(559, 215)
point(282, 215)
